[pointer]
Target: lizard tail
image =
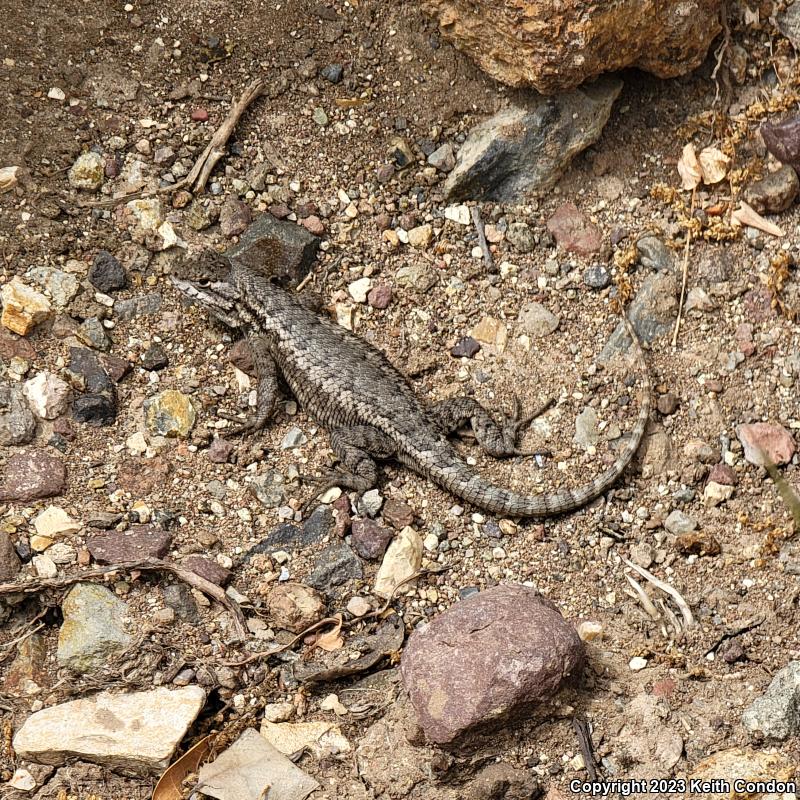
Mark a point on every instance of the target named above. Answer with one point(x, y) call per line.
point(474, 489)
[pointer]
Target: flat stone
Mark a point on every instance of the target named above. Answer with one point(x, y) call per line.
point(131, 732)
point(536, 320)
point(467, 347)
point(220, 451)
point(61, 287)
point(402, 560)
point(678, 523)
point(369, 539)
point(28, 674)
point(143, 305)
point(48, 395)
point(285, 249)
point(397, 513)
point(170, 413)
point(55, 522)
point(573, 231)
point(698, 543)
point(135, 544)
point(487, 658)
point(654, 254)
point(776, 714)
point(17, 423)
point(525, 148)
point(335, 565)
point(294, 606)
point(87, 172)
point(775, 192)
point(586, 433)
point(93, 629)
point(32, 475)
point(597, 277)
point(208, 569)
point(762, 439)
point(23, 307)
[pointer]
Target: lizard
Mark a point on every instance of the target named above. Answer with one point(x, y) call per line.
point(369, 408)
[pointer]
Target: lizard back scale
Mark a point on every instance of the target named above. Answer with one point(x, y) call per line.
point(369, 408)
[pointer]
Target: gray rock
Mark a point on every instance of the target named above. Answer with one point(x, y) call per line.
point(178, 597)
point(335, 565)
point(286, 249)
point(319, 524)
point(679, 523)
point(93, 629)
point(536, 320)
point(789, 23)
point(586, 434)
point(526, 148)
point(106, 273)
point(521, 237)
point(142, 305)
point(654, 254)
point(652, 314)
point(61, 286)
point(332, 73)
point(597, 277)
point(17, 423)
point(776, 714)
point(488, 658)
point(775, 192)
point(442, 158)
point(268, 489)
point(92, 333)
point(294, 438)
point(370, 503)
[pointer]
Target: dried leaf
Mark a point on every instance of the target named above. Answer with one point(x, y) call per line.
point(332, 639)
point(689, 168)
point(782, 139)
point(745, 215)
point(714, 164)
point(169, 785)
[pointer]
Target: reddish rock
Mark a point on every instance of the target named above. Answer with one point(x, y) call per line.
point(664, 688)
point(234, 217)
point(199, 115)
point(220, 451)
point(294, 606)
point(63, 427)
point(744, 339)
point(758, 304)
point(341, 515)
point(369, 539)
point(397, 513)
point(313, 224)
point(208, 569)
point(10, 564)
point(762, 439)
point(723, 474)
point(698, 543)
point(140, 542)
point(13, 346)
point(116, 367)
point(380, 296)
point(32, 475)
point(142, 476)
point(28, 673)
point(488, 658)
point(573, 231)
point(241, 356)
point(279, 211)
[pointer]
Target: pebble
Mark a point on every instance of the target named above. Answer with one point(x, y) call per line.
point(170, 413)
point(637, 664)
point(137, 543)
point(586, 434)
point(320, 117)
point(716, 493)
point(10, 564)
point(106, 273)
point(597, 277)
point(678, 523)
point(234, 217)
point(458, 213)
point(93, 629)
point(369, 539)
point(466, 348)
point(140, 306)
point(17, 423)
point(178, 597)
point(313, 224)
point(294, 437)
point(210, 570)
point(775, 192)
point(403, 558)
point(294, 606)
point(358, 606)
point(573, 231)
point(520, 236)
point(23, 307)
point(380, 296)
point(359, 290)
point(370, 503)
point(491, 331)
point(589, 631)
point(775, 715)
point(92, 333)
point(697, 543)
point(220, 451)
point(48, 395)
point(443, 158)
point(45, 566)
point(199, 115)
point(654, 254)
point(155, 358)
point(722, 473)
point(420, 237)
point(32, 475)
point(667, 404)
point(397, 513)
point(335, 565)
point(54, 521)
point(61, 287)
point(88, 172)
point(536, 320)
point(761, 438)
point(332, 73)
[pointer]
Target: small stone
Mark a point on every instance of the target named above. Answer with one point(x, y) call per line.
point(164, 156)
point(536, 320)
point(137, 543)
point(678, 523)
point(442, 158)
point(140, 306)
point(335, 565)
point(199, 115)
point(320, 117)
point(359, 290)
point(597, 277)
point(88, 172)
point(23, 307)
point(590, 631)
point(380, 296)
point(169, 413)
point(776, 714)
point(22, 780)
point(402, 560)
point(294, 438)
point(332, 73)
point(313, 224)
point(458, 213)
point(491, 331)
point(466, 348)
point(397, 513)
point(208, 569)
point(520, 236)
point(698, 543)
point(155, 358)
point(654, 254)
point(32, 475)
point(92, 333)
point(369, 539)
point(61, 287)
point(93, 628)
point(220, 451)
point(234, 217)
point(370, 503)
point(420, 237)
point(775, 192)
point(278, 712)
point(48, 395)
point(573, 232)
point(722, 473)
point(106, 273)
point(45, 566)
point(54, 522)
point(17, 423)
point(10, 564)
point(637, 664)
point(358, 606)
point(294, 606)
point(667, 404)
point(716, 493)
point(94, 409)
point(586, 434)
point(135, 732)
point(762, 439)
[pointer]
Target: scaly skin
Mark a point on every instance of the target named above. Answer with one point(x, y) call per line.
point(370, 409)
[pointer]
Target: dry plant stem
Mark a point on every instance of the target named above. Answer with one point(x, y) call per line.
point(484, 245)
point(646, 602)
point(667, 589)
point(148, 565)
point(685, 273)
point(581, 728)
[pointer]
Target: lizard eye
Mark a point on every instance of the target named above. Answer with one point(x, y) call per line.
point(204, 283)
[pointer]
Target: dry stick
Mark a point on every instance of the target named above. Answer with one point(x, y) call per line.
point(484, 245)
point(581, 728)
point(685, 271)
point(149, 564)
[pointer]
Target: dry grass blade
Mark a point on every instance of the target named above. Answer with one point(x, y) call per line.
point(686, 612)
point(170, 784)
point(788, 495)
point(646, 602)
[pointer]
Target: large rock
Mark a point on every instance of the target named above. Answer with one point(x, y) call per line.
point(776, 714)
point(525, 148)
point(557, 46)
point(283, 250)
point(32, 475)
point(764, 442)
point(135, 732)
point(487, 658)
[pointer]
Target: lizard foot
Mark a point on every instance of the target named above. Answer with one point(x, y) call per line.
point(514, 423)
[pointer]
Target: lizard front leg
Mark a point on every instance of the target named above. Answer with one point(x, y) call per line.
point(499, 441)
point(267, 389)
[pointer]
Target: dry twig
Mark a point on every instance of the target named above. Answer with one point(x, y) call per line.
point(685, 271)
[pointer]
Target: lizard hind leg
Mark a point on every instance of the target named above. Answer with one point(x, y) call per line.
point(267, 390)
point(497, 440)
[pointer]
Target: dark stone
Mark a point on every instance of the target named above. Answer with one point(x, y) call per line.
point(597, 277)
point(654, 254)
point(86, 372)
point(220, 451)
point(488, 658)
point(178, 597)
point(723, 474)
point(282, 250)
point(135, 544)
point(526, 147)
point(466, 347)
point(208, 569)
point(17, 423)
point(116, 367)
point(241, 356)
point(10, 564)
point(106, 273)
point(335, 565)
point(319, 524)
point(234, 217)
point(94, 409)
point(783, 140)
point(332, 73)
point(155, 358)
point(13, 346)
point(284, 537)
point(775, 192)
point(369, 539)
point(32, 475)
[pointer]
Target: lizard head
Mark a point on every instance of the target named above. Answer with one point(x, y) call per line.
point(206, 279)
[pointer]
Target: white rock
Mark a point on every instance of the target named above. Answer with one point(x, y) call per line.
point(360, 289)
point(136, 443)
point(137, 732)
point(45, 566)
point(22, 781)
point(588, 631)
point(459, 214)
point(56, 93)
point(147, 212)
point(637, 663)
point(87, 172)
point(47, 394)
point(320, 738)
point(716, 493)
point(278, 712)
point(431, 542)
point(402, 560)
point(358, 606)
point(54, 521)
